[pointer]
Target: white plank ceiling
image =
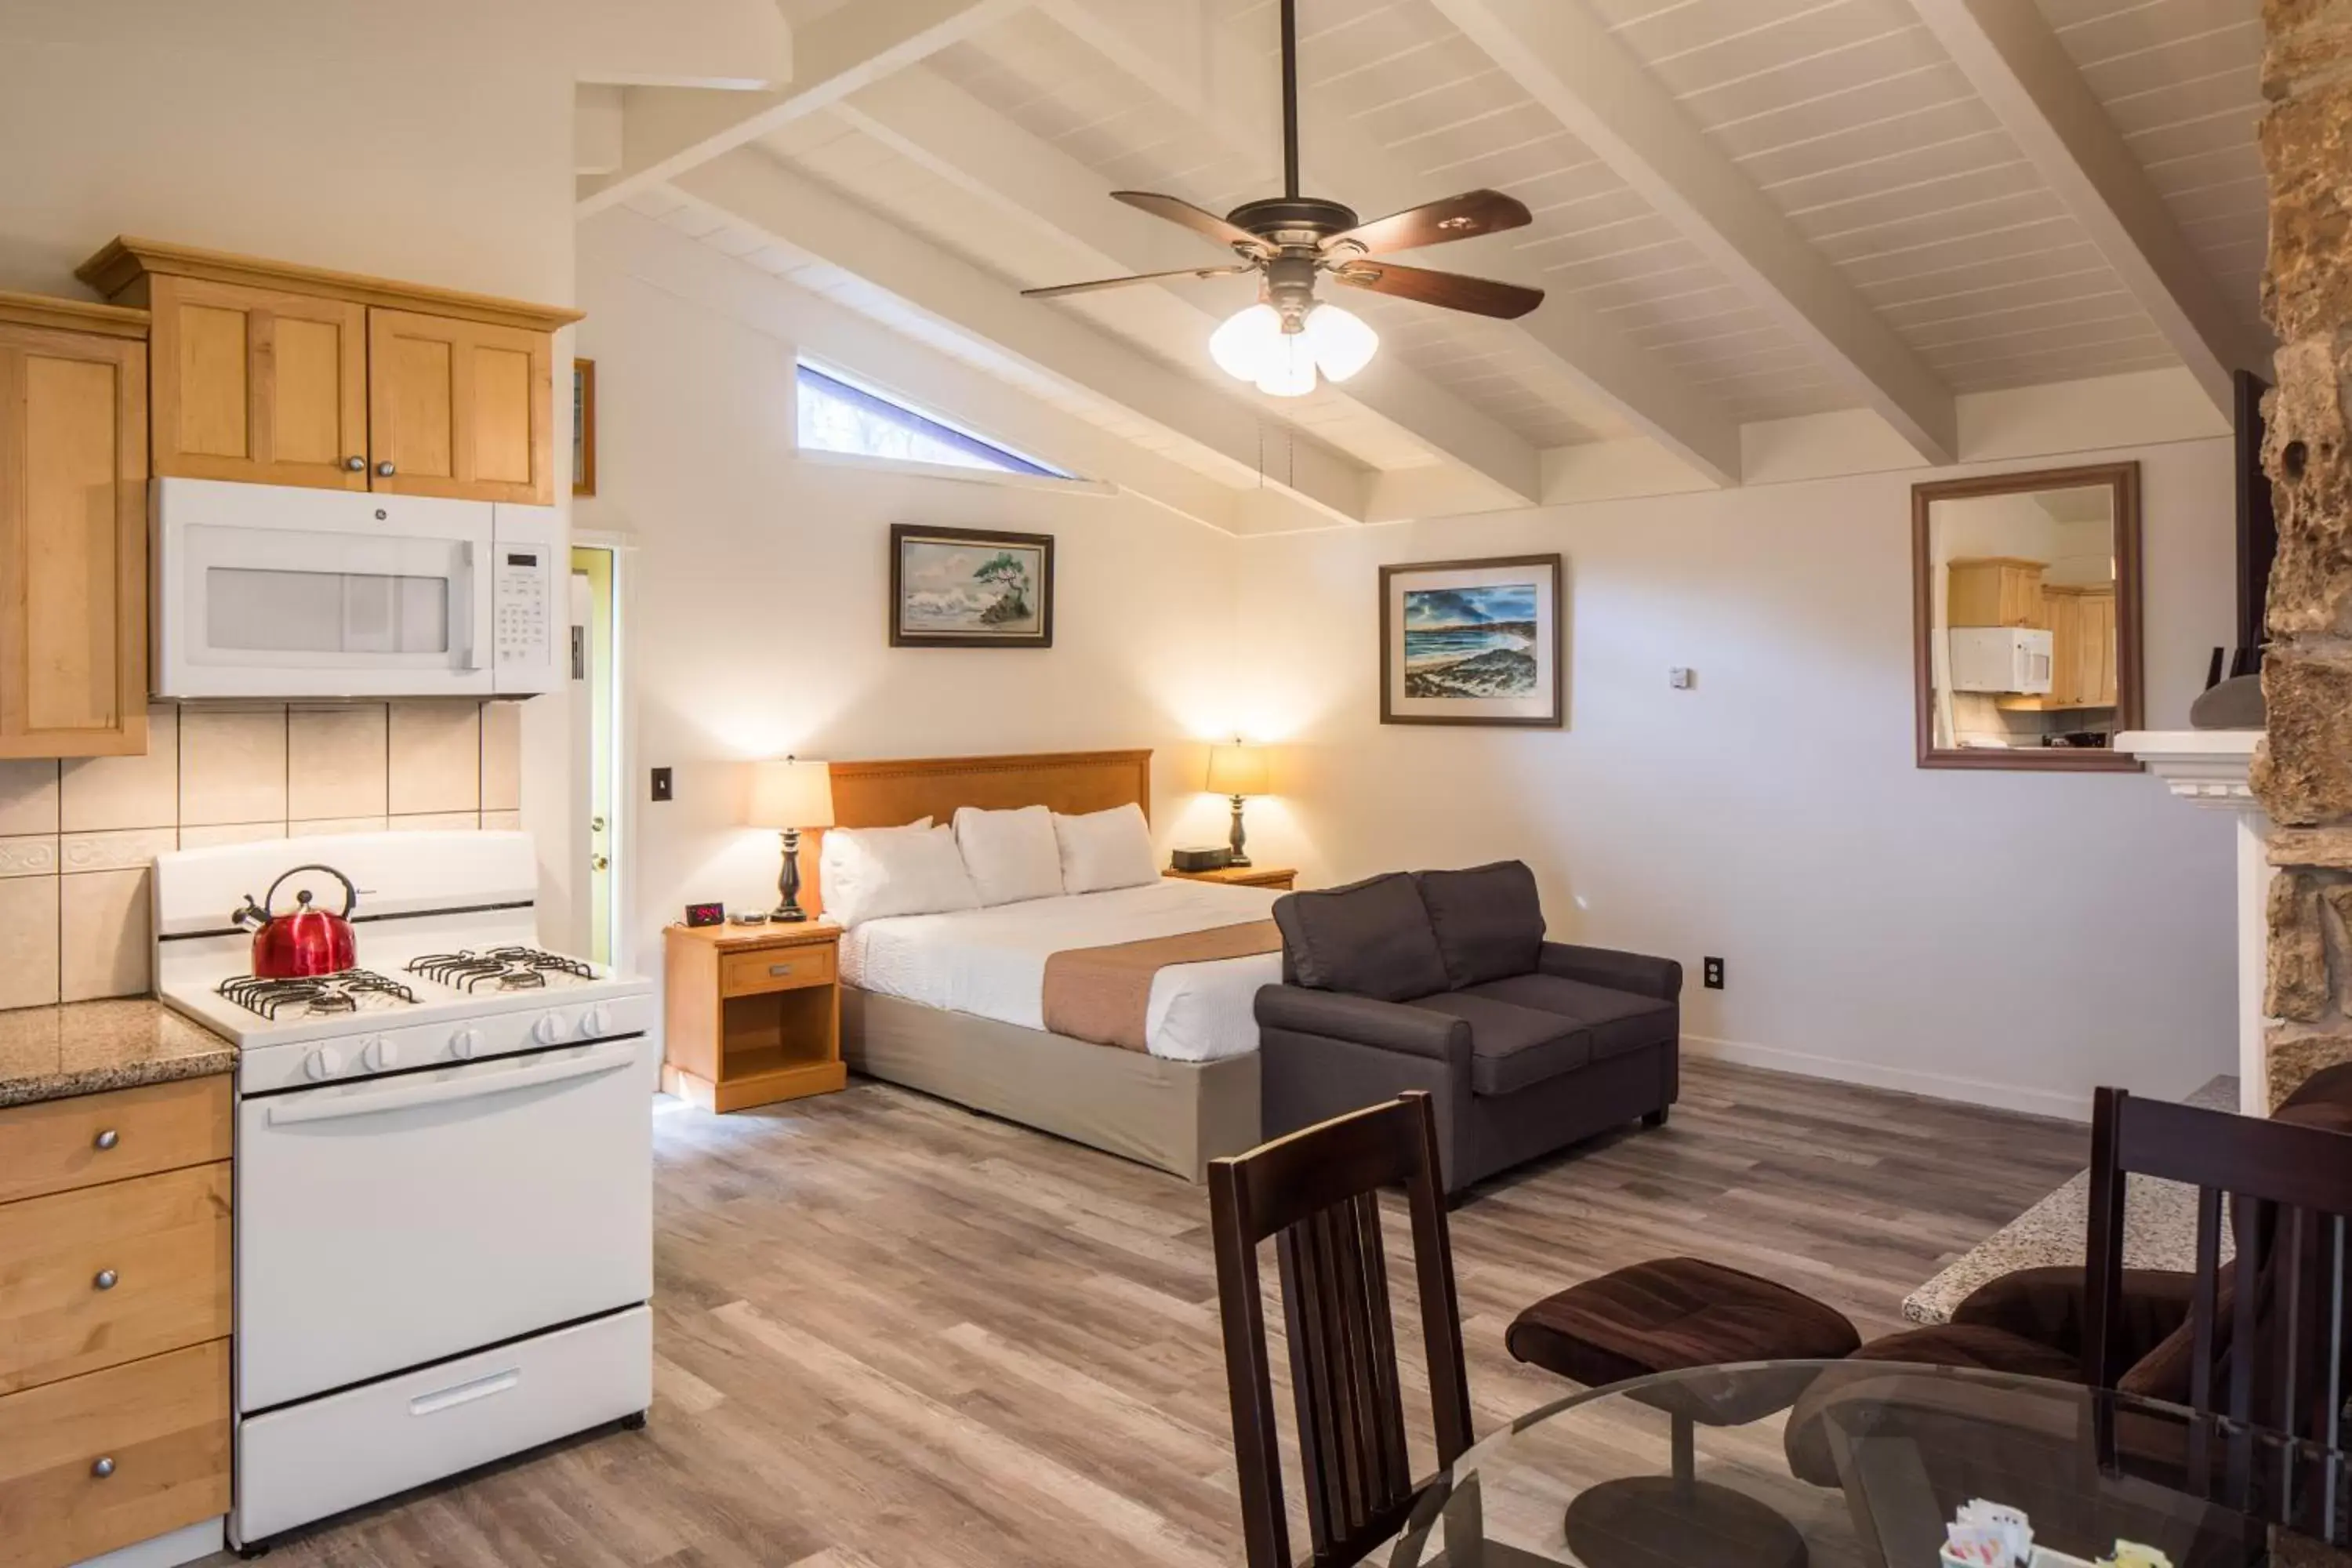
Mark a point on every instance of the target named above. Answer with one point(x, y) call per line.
point(1847, 114)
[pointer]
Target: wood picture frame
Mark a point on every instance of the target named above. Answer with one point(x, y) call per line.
point(971, 587)
point(2122, 480)
point(584, 426)
point(1484, 638)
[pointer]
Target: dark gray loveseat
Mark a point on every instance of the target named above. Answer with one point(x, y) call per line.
point(1442, 981)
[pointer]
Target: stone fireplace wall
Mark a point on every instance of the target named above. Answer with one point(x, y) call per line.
point(2304, 775)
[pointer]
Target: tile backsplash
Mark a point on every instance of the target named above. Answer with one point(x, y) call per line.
point(78, 838)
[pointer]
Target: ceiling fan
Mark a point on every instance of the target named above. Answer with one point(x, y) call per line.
point(1284, 339)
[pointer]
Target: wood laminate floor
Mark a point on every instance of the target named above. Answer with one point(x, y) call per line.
point(890, 1333)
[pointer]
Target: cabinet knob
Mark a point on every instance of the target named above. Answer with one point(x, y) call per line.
point(102, 1466)
point(105, 1281)
point(107, 1139)
point(779, 970)
point(356, 465)
point(385, 469)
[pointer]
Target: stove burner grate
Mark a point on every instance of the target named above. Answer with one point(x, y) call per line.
point(497, 968)
point(345, 992)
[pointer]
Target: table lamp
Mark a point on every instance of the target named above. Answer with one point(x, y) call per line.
point(790, 796)
point(1238, 770)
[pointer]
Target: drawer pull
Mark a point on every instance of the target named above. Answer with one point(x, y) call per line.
point(465, 1393)
point(106, 1140)
point(779, 970)
point(106, 1280)
point(102, 1468)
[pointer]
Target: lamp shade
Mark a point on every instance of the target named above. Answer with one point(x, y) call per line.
point(790, 793)
point(1239, 769)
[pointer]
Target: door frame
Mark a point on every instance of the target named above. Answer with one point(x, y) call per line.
point(623, 827)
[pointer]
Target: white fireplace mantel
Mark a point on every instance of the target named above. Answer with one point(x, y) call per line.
point(2209, 768)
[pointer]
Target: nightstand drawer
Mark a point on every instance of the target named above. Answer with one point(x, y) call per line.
point(116, 1457)
point(108, 1274)
point(775, 969)
point(59, 1145)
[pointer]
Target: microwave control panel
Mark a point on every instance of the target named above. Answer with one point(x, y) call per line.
point(523, 610)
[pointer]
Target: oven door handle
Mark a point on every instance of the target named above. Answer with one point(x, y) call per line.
point(610, 1058)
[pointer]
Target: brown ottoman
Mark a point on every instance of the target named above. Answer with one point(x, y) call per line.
point(1673, 1314)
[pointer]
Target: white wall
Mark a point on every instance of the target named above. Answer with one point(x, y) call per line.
point(2015, 938)
point(756, 619)
point(428, 140)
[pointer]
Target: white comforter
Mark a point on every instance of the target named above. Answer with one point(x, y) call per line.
point(992, 962)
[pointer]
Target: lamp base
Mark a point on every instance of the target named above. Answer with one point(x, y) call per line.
point(786, 914)
point(1239, 857)
point(788, 910)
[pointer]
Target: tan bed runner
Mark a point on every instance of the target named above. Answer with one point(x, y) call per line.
point(1104, 994)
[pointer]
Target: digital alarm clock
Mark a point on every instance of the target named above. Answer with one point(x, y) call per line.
point(706, 914)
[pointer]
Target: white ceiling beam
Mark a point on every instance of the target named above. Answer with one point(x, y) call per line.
point(929, 119)
point(762, 194)
point(1559, 52)
point(668, 130)
point(2024, 73)
point(736, 45)
point(1233, 95)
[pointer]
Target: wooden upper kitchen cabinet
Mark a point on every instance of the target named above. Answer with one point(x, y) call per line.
point(73, 528)
point(1994, 590)
point(282, 374)
point(460, 408)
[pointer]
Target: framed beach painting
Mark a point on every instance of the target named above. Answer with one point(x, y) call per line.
point(1472, 642)
point(968, 587)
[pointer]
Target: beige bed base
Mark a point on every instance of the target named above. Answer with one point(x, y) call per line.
point(1177, 1116)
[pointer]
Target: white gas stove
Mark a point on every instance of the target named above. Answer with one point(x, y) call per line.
point(444, 1171)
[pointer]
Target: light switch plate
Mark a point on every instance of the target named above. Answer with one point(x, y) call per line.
point(1682, 678)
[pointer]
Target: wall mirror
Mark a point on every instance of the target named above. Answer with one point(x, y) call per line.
point(2026, 593)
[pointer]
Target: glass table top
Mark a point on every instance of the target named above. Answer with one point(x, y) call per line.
point(1783, 1464)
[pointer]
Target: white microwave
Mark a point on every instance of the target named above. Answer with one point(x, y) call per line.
point(2001, 658)
point(275, 591)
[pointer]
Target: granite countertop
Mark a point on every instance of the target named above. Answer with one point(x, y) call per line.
point(88, 1047)
point(2159, 1231)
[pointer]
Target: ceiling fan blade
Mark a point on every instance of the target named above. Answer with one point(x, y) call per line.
point(1058, 290)
point(1465, 217)
point(1453, 291)
point(1200, 220)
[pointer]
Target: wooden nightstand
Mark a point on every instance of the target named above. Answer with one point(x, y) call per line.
point(753, 1014)
point(1281, 877)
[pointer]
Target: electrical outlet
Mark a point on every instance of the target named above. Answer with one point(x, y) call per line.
point(661, 783)
point(1712, 969)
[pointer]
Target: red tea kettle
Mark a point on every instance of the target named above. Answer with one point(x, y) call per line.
point(307, 942)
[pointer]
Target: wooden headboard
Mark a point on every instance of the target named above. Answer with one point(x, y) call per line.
point(887, 794)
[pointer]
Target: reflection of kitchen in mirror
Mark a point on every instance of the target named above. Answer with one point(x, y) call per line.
point(2027, 608)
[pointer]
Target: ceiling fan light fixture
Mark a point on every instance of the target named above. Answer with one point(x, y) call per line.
point(1341, 341)
point(1246, 345)
point(1289, 370)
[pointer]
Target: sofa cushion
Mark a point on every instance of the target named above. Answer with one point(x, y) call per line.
point(1618, 1021)
point(1489, 920)
point(1512, 1048)
point(1368, 939)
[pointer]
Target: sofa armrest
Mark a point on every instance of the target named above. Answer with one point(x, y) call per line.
point(1634, 972)
point(1386, 1026)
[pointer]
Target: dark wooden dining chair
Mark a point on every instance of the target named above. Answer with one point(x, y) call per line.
point(2266, 1333)
point(1317, 1193)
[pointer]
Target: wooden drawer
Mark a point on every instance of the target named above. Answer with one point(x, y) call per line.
point(59, 1145)
point(162, 1422)
point(775, 969)
point(164, 1239)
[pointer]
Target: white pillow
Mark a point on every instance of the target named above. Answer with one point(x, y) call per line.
point(1012, 855)
point(906, 874)
point(1106, 850)
point(842, 859)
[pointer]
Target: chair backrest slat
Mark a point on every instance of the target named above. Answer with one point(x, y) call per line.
point(1315, 1194)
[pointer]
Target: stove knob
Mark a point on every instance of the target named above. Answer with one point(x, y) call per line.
point(379, 1055)
point(548, 1030)
point(464, 1043)
point(596, 1021)
point(323, 1063)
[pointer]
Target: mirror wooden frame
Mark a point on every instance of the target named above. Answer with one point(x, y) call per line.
point(2123, 479)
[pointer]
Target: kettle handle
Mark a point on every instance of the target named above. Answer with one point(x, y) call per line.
point(351, 894)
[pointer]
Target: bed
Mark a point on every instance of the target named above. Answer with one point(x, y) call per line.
point(949, 1004)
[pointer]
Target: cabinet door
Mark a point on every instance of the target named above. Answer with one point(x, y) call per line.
point(73, 544)
point(2065, 617)
point(258, 386)
point(2098, 677)
point(460, 409)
